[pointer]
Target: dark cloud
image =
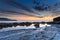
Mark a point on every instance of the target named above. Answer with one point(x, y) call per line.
point(21, 7)
point(17, 5)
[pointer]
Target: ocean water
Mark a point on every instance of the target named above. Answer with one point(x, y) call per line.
point(50, 32)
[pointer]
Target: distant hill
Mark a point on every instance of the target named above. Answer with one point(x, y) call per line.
point(57, 20)
point(6, 19)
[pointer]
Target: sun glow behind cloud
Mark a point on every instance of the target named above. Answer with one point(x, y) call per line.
point(25, 10)
point(28, 18)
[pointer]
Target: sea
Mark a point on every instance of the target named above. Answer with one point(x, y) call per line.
point(44, 32)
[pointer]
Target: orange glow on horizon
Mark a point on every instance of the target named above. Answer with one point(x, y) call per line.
point(33, 18)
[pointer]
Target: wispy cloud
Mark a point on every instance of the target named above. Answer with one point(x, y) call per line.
point(19, 9)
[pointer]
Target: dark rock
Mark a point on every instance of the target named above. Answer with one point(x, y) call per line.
point(56, 20)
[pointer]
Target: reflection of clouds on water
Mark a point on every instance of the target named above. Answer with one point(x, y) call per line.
point(45, 25)
point(32, 26)
point(25, 27)
point(29, 27)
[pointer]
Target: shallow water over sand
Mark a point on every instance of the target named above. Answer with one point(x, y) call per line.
point(44, 33)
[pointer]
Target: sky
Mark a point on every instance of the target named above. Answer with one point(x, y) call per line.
point(43, 10)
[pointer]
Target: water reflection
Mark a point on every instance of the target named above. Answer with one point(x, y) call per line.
point(44, 25)
point(33, 26)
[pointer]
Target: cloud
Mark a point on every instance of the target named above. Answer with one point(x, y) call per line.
point(20, 9)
